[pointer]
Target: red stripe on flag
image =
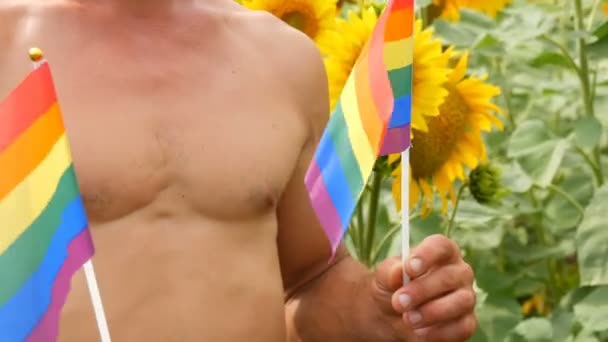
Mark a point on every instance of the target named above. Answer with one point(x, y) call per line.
point(401, 4)
point(25, 104)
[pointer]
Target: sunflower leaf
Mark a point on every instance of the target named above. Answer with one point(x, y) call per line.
point(533, 329)
point(497, 317)
point(537, 151)
point(588, 131)
point(592, 311)
point(592, 241)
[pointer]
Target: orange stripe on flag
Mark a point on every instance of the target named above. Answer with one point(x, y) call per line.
point(399, 25)
point(19, 159)
point(367, 109)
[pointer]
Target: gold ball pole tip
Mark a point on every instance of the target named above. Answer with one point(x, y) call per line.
point(35, 54)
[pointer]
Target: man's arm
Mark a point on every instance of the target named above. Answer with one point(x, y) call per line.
point(321, 299)
point(344, 301)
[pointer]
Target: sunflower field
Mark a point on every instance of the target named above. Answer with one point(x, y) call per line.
point(509, 151)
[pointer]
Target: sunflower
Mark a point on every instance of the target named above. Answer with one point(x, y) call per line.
point(490, 8)
point(448, 9)
point(430, 73)
point(313, 17)
point(344, 45)
point(453, 139)
point(430, 63)
point(606, 8)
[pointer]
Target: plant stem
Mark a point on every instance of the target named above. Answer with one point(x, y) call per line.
point(448, 229)
point(566, 54)
point(597, 172)
point(568, 198)
point(395, 229)
point(584, 62)
point(586, 82)
point(360, 228)
point(373, 213)
point(506, 86)
point(374, 255)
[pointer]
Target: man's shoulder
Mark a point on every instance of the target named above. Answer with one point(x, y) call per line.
point(290, 53)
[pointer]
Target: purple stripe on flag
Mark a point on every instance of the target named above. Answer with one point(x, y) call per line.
point(323, 206)
point(396, 140)
point(80, 251)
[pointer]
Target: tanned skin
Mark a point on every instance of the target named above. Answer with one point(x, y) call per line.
point(192, 124)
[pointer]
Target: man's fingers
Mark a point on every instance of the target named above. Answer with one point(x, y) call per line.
point(389, 275)
point(445, 309)
point(434, 251)
point(431, 286)
point(455, 331)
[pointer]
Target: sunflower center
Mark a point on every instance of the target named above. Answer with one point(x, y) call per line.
point(430, 150)
point(301, 16)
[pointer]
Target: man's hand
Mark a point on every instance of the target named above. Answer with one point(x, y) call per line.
point(438, 303)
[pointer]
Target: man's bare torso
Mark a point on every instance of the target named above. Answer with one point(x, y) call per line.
point(184, 135)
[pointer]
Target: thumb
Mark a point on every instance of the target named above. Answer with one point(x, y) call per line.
point(388, 278)
point(389, 274)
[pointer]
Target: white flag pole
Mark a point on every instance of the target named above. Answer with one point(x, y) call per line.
point(405, 210)
point(405, 182)
point(37, 58)
point(100, 315)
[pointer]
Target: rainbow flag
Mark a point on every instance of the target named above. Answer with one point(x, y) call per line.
point(375, 99)
point(44, 235)
point(399, 59)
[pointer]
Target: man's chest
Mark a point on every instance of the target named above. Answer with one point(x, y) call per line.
point(224, 151)
point(216, 145)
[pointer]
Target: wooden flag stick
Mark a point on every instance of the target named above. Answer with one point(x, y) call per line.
point(37, 58)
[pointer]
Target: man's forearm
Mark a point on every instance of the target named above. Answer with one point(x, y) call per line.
point(333, 306)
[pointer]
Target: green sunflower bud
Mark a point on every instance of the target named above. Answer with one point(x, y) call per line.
point(484, 184)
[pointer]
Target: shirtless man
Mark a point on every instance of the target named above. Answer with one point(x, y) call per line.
point(192, 124)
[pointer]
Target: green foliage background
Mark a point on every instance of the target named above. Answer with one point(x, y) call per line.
point(541, 252)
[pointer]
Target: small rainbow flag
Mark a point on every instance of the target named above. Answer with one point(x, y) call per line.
point(399, 58)
point(375, 100)
point(44, 234)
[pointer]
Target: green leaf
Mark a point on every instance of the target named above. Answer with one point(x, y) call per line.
point(476, 19)
point(526, 138)
point(488, 277)
point(533, 330)
point(562, 322)
point(588, 131)
point(453, 33)
point(601, 31)
point(599, 48)
point(592, 311)
point(539, 154)
point(577, 183)
point(592, 241)
point(489, 45)
point(497, 317)
point(515, 179)
point(550, 59)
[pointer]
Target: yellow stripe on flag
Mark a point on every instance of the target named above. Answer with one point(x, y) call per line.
point(399, 53)
point(27, 201)
point(359, 140)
